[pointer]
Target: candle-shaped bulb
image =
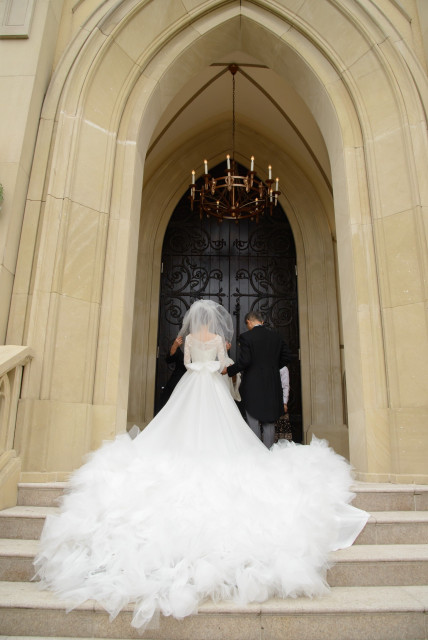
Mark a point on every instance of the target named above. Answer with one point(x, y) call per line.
point(228, 161)
point(257, 203)
point(252, 163)
point(277, 184)
point(270, 172)
point(206, 166)
point(193, 176)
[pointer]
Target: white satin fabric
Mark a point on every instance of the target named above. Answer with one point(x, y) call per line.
point(197, 507)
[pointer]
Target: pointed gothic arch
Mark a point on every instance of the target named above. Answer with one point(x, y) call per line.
point(102, 106)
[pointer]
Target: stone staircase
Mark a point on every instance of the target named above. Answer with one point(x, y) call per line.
point(379, 585)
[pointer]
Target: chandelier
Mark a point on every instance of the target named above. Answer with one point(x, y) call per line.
point(232, 196)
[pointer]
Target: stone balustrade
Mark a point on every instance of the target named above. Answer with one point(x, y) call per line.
point(12, 361)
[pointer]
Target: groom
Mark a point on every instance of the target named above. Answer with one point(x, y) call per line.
point(262, 354)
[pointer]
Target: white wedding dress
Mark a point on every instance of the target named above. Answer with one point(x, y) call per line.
point(195, 507)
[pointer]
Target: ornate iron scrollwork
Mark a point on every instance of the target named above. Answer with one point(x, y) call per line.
point(243, 266)
point(189, 278)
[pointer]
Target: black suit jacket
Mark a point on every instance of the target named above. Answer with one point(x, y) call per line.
point(262, 353)
point(179, 370)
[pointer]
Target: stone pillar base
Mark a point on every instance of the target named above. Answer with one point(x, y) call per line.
point(336, 435)
point(393, 478)
point(10, 468)
point(54, 437)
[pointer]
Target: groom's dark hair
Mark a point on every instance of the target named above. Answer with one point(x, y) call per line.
point(254, 315)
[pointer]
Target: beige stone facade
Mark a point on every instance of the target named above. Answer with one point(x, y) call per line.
point(104, 114)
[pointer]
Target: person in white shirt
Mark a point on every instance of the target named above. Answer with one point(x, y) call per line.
point(283, 429)
point(285, 384)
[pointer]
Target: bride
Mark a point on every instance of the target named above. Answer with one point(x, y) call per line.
point(196, 506)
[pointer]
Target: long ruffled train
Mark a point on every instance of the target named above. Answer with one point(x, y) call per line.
point(191, 509)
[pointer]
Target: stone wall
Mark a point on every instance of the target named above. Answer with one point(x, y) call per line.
point(357, 68)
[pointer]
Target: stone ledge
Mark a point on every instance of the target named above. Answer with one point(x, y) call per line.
point(28, 595)
point(355, 613)
point(388, 487)
point(370, 497)
point(46, 486)
point(362, 565)
point(354, 554)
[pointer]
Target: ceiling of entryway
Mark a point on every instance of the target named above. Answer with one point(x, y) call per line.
point(265, 104)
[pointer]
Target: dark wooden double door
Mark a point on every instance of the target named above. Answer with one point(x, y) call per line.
point(242, 266)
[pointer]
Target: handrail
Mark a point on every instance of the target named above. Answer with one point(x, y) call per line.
point(12, 355)
point(13, 358)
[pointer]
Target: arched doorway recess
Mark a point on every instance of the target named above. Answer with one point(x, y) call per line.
point(98, 119)
point(321, 393)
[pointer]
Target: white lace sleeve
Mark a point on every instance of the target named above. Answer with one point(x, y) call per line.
point(221, 353)
point(187, 344)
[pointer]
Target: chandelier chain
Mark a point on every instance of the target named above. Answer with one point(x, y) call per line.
point(233, 196)
point(233, 117)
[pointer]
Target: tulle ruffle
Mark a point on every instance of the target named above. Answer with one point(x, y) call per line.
point(165, 525)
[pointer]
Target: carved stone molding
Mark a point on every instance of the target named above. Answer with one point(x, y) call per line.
point(15, 18)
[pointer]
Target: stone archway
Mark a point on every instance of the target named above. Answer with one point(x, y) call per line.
point(320, 363)
point(104, 102)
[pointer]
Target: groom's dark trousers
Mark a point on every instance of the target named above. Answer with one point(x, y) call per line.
point(262, 353)
point(265, 431)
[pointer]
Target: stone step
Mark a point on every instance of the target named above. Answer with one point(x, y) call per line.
point(383, 527)
point(379, 565)
point(354, 613)
point(395, 527)
point(362, 565)
point(372, 496)
point(16, 559)
point(25, 523)
point(40, 494)
point(369, 496)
